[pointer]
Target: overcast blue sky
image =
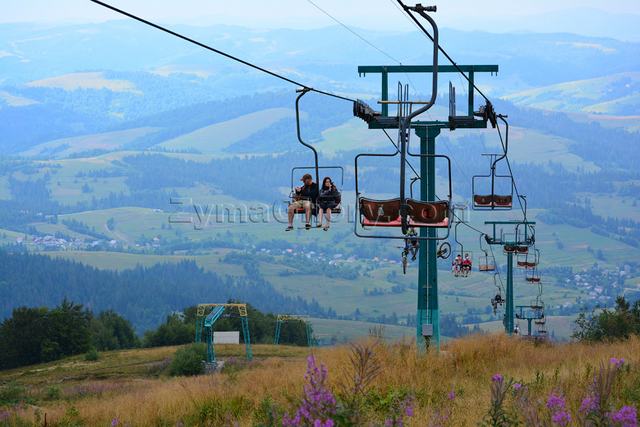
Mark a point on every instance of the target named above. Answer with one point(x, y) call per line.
point(491, 15)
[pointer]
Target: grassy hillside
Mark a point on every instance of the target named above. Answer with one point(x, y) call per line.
point(131, 387)
point(108, 141)
point(215, 138)
point(616, 94)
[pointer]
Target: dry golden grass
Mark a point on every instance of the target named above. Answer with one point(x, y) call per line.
point(464, 365)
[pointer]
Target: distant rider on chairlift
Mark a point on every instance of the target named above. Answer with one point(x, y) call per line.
point(457, 265)
point(466, 265)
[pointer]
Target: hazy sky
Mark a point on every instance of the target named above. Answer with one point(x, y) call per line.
point(471, 14)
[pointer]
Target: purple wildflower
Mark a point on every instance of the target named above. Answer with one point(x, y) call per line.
point(589, 404)
point(114, 422)
point(497, 378)
point(400, 409)
point(616, 362)
point(555, 402)
point(451, 395)
point(517, 386)
point(408, 411)
point(561, 418)
point(318, 404)
point(627, 416)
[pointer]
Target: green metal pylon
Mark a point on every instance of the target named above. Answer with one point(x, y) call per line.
point(428, 314)
point(247, 338)
point(509, 313)
point(276, 337)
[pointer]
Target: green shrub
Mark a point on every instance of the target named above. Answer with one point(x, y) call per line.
point(53, 393)
point(189, 360)
point(12, 394)
point(92, 355)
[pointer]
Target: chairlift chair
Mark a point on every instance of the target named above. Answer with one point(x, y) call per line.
point(533, 278)
point(497, 300)
point(316, 168)
point(489, 264)
point(494, 191)
point(461, 270)
point(333, 172)
point(532, 274)
point(526, 262)
point(373, 213)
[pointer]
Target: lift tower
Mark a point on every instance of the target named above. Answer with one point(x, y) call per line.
point(427, 321)
point(513, 244)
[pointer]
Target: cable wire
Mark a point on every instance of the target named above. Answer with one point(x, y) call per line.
point(219, 52)
point(356, 34)
point(346, 27)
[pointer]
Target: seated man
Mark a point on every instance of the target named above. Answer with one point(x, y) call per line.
point(303, 198)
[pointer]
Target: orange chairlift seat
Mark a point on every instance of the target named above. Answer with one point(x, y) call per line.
point(492, 200)
point(386, 213)
point(526, 264)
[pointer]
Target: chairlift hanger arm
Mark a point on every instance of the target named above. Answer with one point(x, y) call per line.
point(405, 123)
point(302, 92)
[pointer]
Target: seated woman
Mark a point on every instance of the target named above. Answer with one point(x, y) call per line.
point(466, 265)
point(328, 199)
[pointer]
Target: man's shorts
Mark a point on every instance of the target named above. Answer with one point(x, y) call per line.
point(301, 204)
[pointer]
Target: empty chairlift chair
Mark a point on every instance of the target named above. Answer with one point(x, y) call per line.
point(529, 262)
point(488, 262)
point(373, 212)
point(494, 191)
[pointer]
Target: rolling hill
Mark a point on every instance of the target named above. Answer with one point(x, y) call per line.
point(616, 94)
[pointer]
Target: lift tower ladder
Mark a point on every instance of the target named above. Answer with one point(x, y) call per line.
point(427, 321)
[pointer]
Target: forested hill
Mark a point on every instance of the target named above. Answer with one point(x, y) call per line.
point(145, 296)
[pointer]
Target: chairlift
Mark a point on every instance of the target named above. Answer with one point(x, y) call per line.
point(527, 262)
point(532, 274)
point(335, 170)
point(463, 262)
point(494, 191)
point(497, 300)
point(533, 278)
point(402, 212)
point(489, 263)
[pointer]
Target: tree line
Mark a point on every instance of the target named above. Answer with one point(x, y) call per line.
point(40, 334)
point(143, 295)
